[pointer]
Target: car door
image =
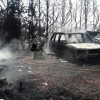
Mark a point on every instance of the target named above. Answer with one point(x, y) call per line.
point(61, 44)
point(53, 43)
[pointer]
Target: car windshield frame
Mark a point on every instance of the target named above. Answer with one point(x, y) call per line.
point(75, 39)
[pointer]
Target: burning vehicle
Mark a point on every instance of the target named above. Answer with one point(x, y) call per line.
point(74, 46)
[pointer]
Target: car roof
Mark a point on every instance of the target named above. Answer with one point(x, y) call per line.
point(93, 32)
point(69, 33)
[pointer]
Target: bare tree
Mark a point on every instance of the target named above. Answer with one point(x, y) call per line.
point(95, 15)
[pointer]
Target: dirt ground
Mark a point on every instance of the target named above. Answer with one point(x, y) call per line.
point(47, 77)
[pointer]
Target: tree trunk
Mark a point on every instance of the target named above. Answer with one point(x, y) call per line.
point(85, 11)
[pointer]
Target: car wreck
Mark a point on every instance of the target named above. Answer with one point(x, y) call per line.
point(74, 46)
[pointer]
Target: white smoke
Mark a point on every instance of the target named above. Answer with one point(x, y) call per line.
point(5, 53)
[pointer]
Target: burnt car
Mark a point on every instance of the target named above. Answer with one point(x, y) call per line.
point(74, 46)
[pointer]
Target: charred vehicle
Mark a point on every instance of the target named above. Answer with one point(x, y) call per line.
point(74, 46)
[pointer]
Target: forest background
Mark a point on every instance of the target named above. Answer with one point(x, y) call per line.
point(24, 19)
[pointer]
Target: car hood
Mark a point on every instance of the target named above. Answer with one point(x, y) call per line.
point(84, 46)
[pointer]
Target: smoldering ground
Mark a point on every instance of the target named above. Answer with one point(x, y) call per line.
point(49, 82)
point(10, 57)
point(9, 65)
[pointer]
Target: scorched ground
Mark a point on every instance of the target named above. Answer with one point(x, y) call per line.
point(48, 78)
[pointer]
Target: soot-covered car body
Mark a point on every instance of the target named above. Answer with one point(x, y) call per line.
point(74, 46)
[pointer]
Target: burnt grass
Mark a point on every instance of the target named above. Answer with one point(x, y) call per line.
point(53, 82)
point(35, 91)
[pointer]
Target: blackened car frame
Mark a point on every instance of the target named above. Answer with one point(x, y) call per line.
point(74, 46)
